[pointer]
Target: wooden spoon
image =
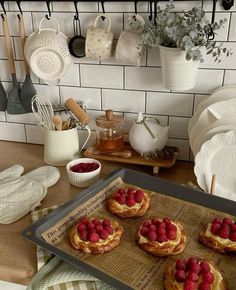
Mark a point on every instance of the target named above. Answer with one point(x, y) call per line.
point(57, 121)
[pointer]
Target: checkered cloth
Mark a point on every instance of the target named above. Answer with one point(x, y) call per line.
point(44, 257)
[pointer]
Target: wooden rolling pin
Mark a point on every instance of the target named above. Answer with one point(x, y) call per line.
point(77, 111)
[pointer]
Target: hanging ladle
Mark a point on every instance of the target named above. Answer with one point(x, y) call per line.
point(77, 42)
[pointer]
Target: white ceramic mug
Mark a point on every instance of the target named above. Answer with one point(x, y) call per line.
point(98, 40)
point(60, 147)
point(129, 46)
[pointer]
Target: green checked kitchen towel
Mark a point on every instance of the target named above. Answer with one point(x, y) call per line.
point(55, 274)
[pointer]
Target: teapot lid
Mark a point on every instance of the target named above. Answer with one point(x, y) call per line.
point(109, 120)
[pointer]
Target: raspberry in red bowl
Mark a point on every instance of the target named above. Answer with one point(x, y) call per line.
point(83, 172)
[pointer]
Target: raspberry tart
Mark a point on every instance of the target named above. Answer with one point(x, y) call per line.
point(161, 237)
point(194, 274)
point(129, 202)
point(220, 235)
point(96, 236)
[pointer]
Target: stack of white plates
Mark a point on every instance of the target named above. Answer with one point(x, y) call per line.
point(212, 137)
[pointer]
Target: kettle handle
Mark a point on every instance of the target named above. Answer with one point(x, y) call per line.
point(143, 121)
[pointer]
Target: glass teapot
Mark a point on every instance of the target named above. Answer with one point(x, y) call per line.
point(108, 137)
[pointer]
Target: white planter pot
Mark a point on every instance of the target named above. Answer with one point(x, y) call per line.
point(177, 72)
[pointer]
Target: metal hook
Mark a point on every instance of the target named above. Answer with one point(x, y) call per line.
point(3, 8)
point(19, 7)
point(76, 10)
point(211, 35)
point(227, 4)
point(150, 15)
point(155, 12)
point(103, 10)
point(48, 16)
point(135, 7)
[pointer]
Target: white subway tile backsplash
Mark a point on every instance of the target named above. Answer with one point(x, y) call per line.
point(169, 104)
point(90, 97)
point(178, 127)
point(110, 84)
point(12, 132)
point(230, 77)
point(121, 100)
point(183, 146)
point(34, 134)
point(232, 31)
point(143, 78)
point(101, 76)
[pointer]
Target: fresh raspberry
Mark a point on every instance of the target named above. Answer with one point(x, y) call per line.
point(171, 227)
point(189, 285)
point(144, 231)
point(130, 202)
point(117, 196)
point(91, 226)
point(217, 221)
point(161, 231)
point(204, 286)
point(138, 196)
point(166, 221)
point(227, 221)
point(131, 191)
point(96, 221)
point(224, 233)
point(103, 234)
point(233, 227)
point(106, 222)
point(81, 227)
point(226, 227)
point(180, 275)
point(162, 238)
point(94, 237)
point(192, 260)
point(146, 224)
point(215, 228)
point(162, 225)
point(109, 229)
point(152, 228)
point(155, 221)
point(84, 220)
point(122, 191)
point(232, 236)
point(208, 277)
point(171, 235)
point(122, 199)
point(92, 230)
point(180, 264)
point(195, 268)
point(83, 235)
point(152, 236)
point(193, 276)
point(99, 227)
point(205, 267)
point(130, 195)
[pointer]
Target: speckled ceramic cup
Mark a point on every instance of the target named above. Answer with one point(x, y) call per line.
point(98, 40)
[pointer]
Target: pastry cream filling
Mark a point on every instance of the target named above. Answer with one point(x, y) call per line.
point(175, 242)
point(215, 286)
point(221, 241)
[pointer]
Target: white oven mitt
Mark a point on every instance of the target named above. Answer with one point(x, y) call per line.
point(19, 194)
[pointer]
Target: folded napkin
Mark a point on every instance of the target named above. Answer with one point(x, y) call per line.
point(55, 274)
point(19, 194)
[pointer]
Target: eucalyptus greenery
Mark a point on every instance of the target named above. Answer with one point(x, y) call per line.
point(187, 30)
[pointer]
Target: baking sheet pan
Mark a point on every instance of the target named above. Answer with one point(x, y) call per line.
point(34, 232)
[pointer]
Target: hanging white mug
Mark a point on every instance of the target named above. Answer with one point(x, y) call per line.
point(60, 147)
point(98, 40)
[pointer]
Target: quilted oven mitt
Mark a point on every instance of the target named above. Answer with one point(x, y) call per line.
point(19, 194)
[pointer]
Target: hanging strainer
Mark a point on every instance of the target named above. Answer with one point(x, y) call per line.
point(47, 53)
point(77, 42)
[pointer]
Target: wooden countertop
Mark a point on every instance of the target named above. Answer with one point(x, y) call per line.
point(18, 256)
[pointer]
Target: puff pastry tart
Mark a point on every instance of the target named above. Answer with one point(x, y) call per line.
point(96, 236)
point(220, 235)
point(129, 202)
point(194, 274)
point(161, 237)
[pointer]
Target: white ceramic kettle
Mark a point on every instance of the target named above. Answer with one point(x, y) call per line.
point(146, 135)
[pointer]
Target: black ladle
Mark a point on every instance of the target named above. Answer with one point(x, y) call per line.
point(77, 42)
